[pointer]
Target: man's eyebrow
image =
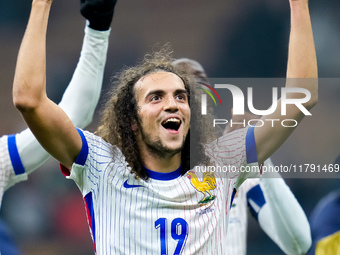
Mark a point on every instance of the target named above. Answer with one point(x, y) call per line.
point(180, 91)
point(155, 92)
point(162, 92)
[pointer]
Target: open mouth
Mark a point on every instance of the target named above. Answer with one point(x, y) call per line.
point(172, 124)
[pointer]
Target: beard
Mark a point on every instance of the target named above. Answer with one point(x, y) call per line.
point(158, 148)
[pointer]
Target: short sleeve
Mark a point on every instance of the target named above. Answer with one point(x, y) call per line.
point(87, 170)
point(236, 155)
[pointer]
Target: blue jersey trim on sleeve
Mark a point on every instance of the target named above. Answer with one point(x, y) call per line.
point(14, 155)
point(90, 215)
point(251, 146)
point(164, 176)
point(81, 159)
point(256, 196)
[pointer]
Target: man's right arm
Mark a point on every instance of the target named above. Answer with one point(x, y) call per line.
point(48, 122)
point(82, 95)
point(79, 100)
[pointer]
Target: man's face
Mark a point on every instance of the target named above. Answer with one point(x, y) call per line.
point(164, 113)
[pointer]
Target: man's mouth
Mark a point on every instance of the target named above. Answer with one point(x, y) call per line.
point(172, 124)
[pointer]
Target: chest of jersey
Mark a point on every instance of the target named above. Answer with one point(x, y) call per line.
point(186, 215)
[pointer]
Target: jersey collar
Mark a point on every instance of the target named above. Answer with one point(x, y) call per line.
point(164, 176)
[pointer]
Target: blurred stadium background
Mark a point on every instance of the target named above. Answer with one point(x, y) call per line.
point(230, 38)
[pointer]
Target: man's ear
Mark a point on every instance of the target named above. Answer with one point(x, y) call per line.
point(134, 126)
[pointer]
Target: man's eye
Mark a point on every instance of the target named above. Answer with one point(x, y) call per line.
point(155, 98)
point(180, 97)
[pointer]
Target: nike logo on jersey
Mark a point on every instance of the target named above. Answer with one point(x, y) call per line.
point(130, 186)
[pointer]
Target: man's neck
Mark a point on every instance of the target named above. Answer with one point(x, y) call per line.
point(162, 165)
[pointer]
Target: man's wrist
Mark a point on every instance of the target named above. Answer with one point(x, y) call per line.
point(299, 4)
point(42, 2)
point(96, 33)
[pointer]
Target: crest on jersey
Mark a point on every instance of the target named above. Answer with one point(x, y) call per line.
point(205, 186)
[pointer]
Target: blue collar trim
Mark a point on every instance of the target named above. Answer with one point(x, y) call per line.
point(164, 176)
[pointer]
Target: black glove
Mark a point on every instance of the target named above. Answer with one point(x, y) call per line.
point(98, 12)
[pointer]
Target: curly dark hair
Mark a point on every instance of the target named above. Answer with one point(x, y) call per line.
point(121, 112)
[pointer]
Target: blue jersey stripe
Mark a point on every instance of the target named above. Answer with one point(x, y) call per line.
point(251, 146)
point(90, 211)
point(256, 195)
point(14, 155)
point(81, 159)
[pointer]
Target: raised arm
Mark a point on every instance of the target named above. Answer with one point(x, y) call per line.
point(79, 100)
point(301, 73)
point(81, 97)
point(48, 122)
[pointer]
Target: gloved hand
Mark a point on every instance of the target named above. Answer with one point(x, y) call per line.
point(98, 12)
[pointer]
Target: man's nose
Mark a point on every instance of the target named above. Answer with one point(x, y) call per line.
point(170, 104)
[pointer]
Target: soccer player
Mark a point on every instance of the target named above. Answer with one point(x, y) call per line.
point(268, 198)
point(20, 154)
point(135, 175)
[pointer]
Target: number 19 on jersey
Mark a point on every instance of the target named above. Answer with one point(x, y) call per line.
point(179, 232)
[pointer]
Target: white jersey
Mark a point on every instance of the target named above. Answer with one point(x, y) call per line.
point(236, 241)
point(273, 205)
point(168, 214)
point(12, 170)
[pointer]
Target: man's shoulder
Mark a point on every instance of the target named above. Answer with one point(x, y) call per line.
point(231, 142)
point(102, 148)
point(238, 135)
point(95, 140)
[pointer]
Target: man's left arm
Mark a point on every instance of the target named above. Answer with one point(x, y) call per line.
point(301, 73)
